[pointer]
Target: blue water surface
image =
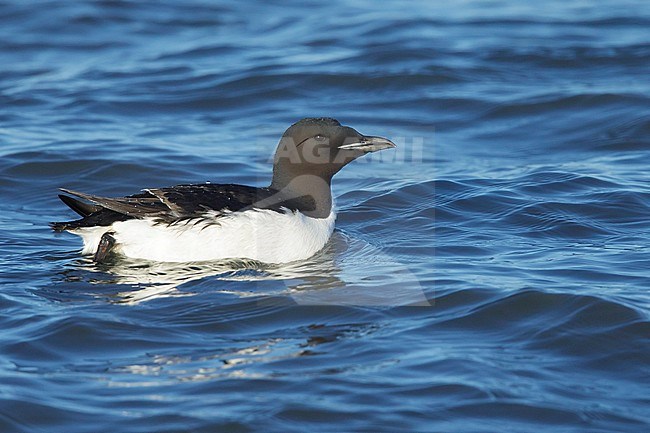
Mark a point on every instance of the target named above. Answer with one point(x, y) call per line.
point(489, 275)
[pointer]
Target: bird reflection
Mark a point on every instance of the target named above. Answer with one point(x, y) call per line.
point(347, 271)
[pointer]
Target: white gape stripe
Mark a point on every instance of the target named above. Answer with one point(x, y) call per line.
point(259, 234)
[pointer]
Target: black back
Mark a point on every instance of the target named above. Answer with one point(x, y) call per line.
point(178, 203)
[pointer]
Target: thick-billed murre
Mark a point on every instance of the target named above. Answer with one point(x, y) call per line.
point(289, 220)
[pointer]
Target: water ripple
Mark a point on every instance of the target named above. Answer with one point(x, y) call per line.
point(490, 274)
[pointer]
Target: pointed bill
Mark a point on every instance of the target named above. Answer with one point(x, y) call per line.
point(369, 144)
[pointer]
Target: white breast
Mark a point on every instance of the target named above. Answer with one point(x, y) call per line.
point(263, 235)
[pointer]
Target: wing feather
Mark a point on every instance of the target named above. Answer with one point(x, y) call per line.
point(138, 206)
point(180, 202)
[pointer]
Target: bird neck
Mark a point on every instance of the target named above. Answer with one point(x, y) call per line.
point(312, 193)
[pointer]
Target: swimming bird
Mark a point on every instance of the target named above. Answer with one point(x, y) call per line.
point(291, 219)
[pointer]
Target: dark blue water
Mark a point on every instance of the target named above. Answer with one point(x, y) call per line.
point(490, 275)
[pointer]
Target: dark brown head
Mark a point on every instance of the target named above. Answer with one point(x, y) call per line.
point(313, 150)
point(320, 147)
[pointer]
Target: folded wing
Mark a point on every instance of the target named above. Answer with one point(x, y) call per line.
point(164, 204)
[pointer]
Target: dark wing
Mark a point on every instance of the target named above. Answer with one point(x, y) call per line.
point(186, 201)
point(190, 201)
point(170, 204)
point(135, 206)
point(83, 209)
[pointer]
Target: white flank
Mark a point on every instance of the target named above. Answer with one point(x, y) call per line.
point(262, 235)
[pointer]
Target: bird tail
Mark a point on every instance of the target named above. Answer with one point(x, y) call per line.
point(80, 207)
point(83, 209)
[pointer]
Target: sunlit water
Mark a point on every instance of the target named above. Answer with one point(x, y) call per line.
point(491, 274)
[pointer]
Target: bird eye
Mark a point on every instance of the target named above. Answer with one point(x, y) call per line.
point(320, 137)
